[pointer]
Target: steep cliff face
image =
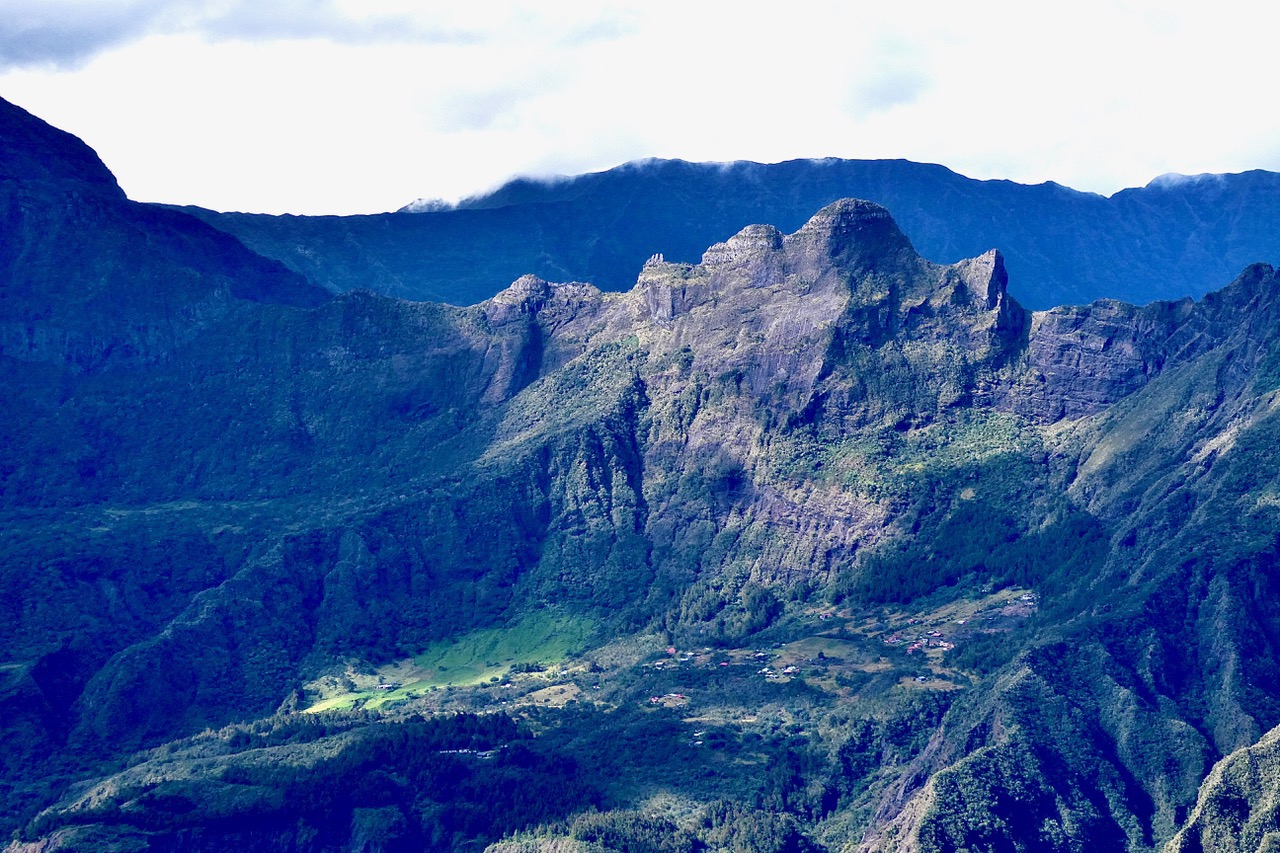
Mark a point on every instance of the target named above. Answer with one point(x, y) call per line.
point(1082, 359)
point(1159, 660)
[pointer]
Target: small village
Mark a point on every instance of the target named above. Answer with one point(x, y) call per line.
point(839, 652)
point(842, 645)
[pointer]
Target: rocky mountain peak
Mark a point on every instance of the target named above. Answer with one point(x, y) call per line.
point(985, 277)
point(847, 214)
point(751, 243)
point(1255, 285)
point(859, 236)
point(530, 295)
point(524, 290)
point(849, 257)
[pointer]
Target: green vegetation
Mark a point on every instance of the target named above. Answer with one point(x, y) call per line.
point(446, 782)
point(536, 641)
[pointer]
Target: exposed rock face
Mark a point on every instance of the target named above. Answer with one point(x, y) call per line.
point(786, 310)
point(1082, 359)
point(1086, 358)
point(769, 307)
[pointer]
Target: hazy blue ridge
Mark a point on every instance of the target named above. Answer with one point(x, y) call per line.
point(1171, 239)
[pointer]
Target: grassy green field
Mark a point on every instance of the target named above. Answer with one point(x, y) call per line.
point(480, 656)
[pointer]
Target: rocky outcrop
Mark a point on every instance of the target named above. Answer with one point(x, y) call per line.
point(1082, 359)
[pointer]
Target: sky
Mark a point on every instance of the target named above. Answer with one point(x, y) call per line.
point(361, 106)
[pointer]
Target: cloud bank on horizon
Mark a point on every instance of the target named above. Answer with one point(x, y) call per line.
point(345, 106)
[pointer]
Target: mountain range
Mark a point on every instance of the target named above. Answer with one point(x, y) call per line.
point(804, 543)
point(1178, 236)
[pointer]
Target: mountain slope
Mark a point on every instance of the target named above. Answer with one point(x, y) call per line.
point(653, 455)
point(855, 551)
point(90, 278)
point(1236, 807)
